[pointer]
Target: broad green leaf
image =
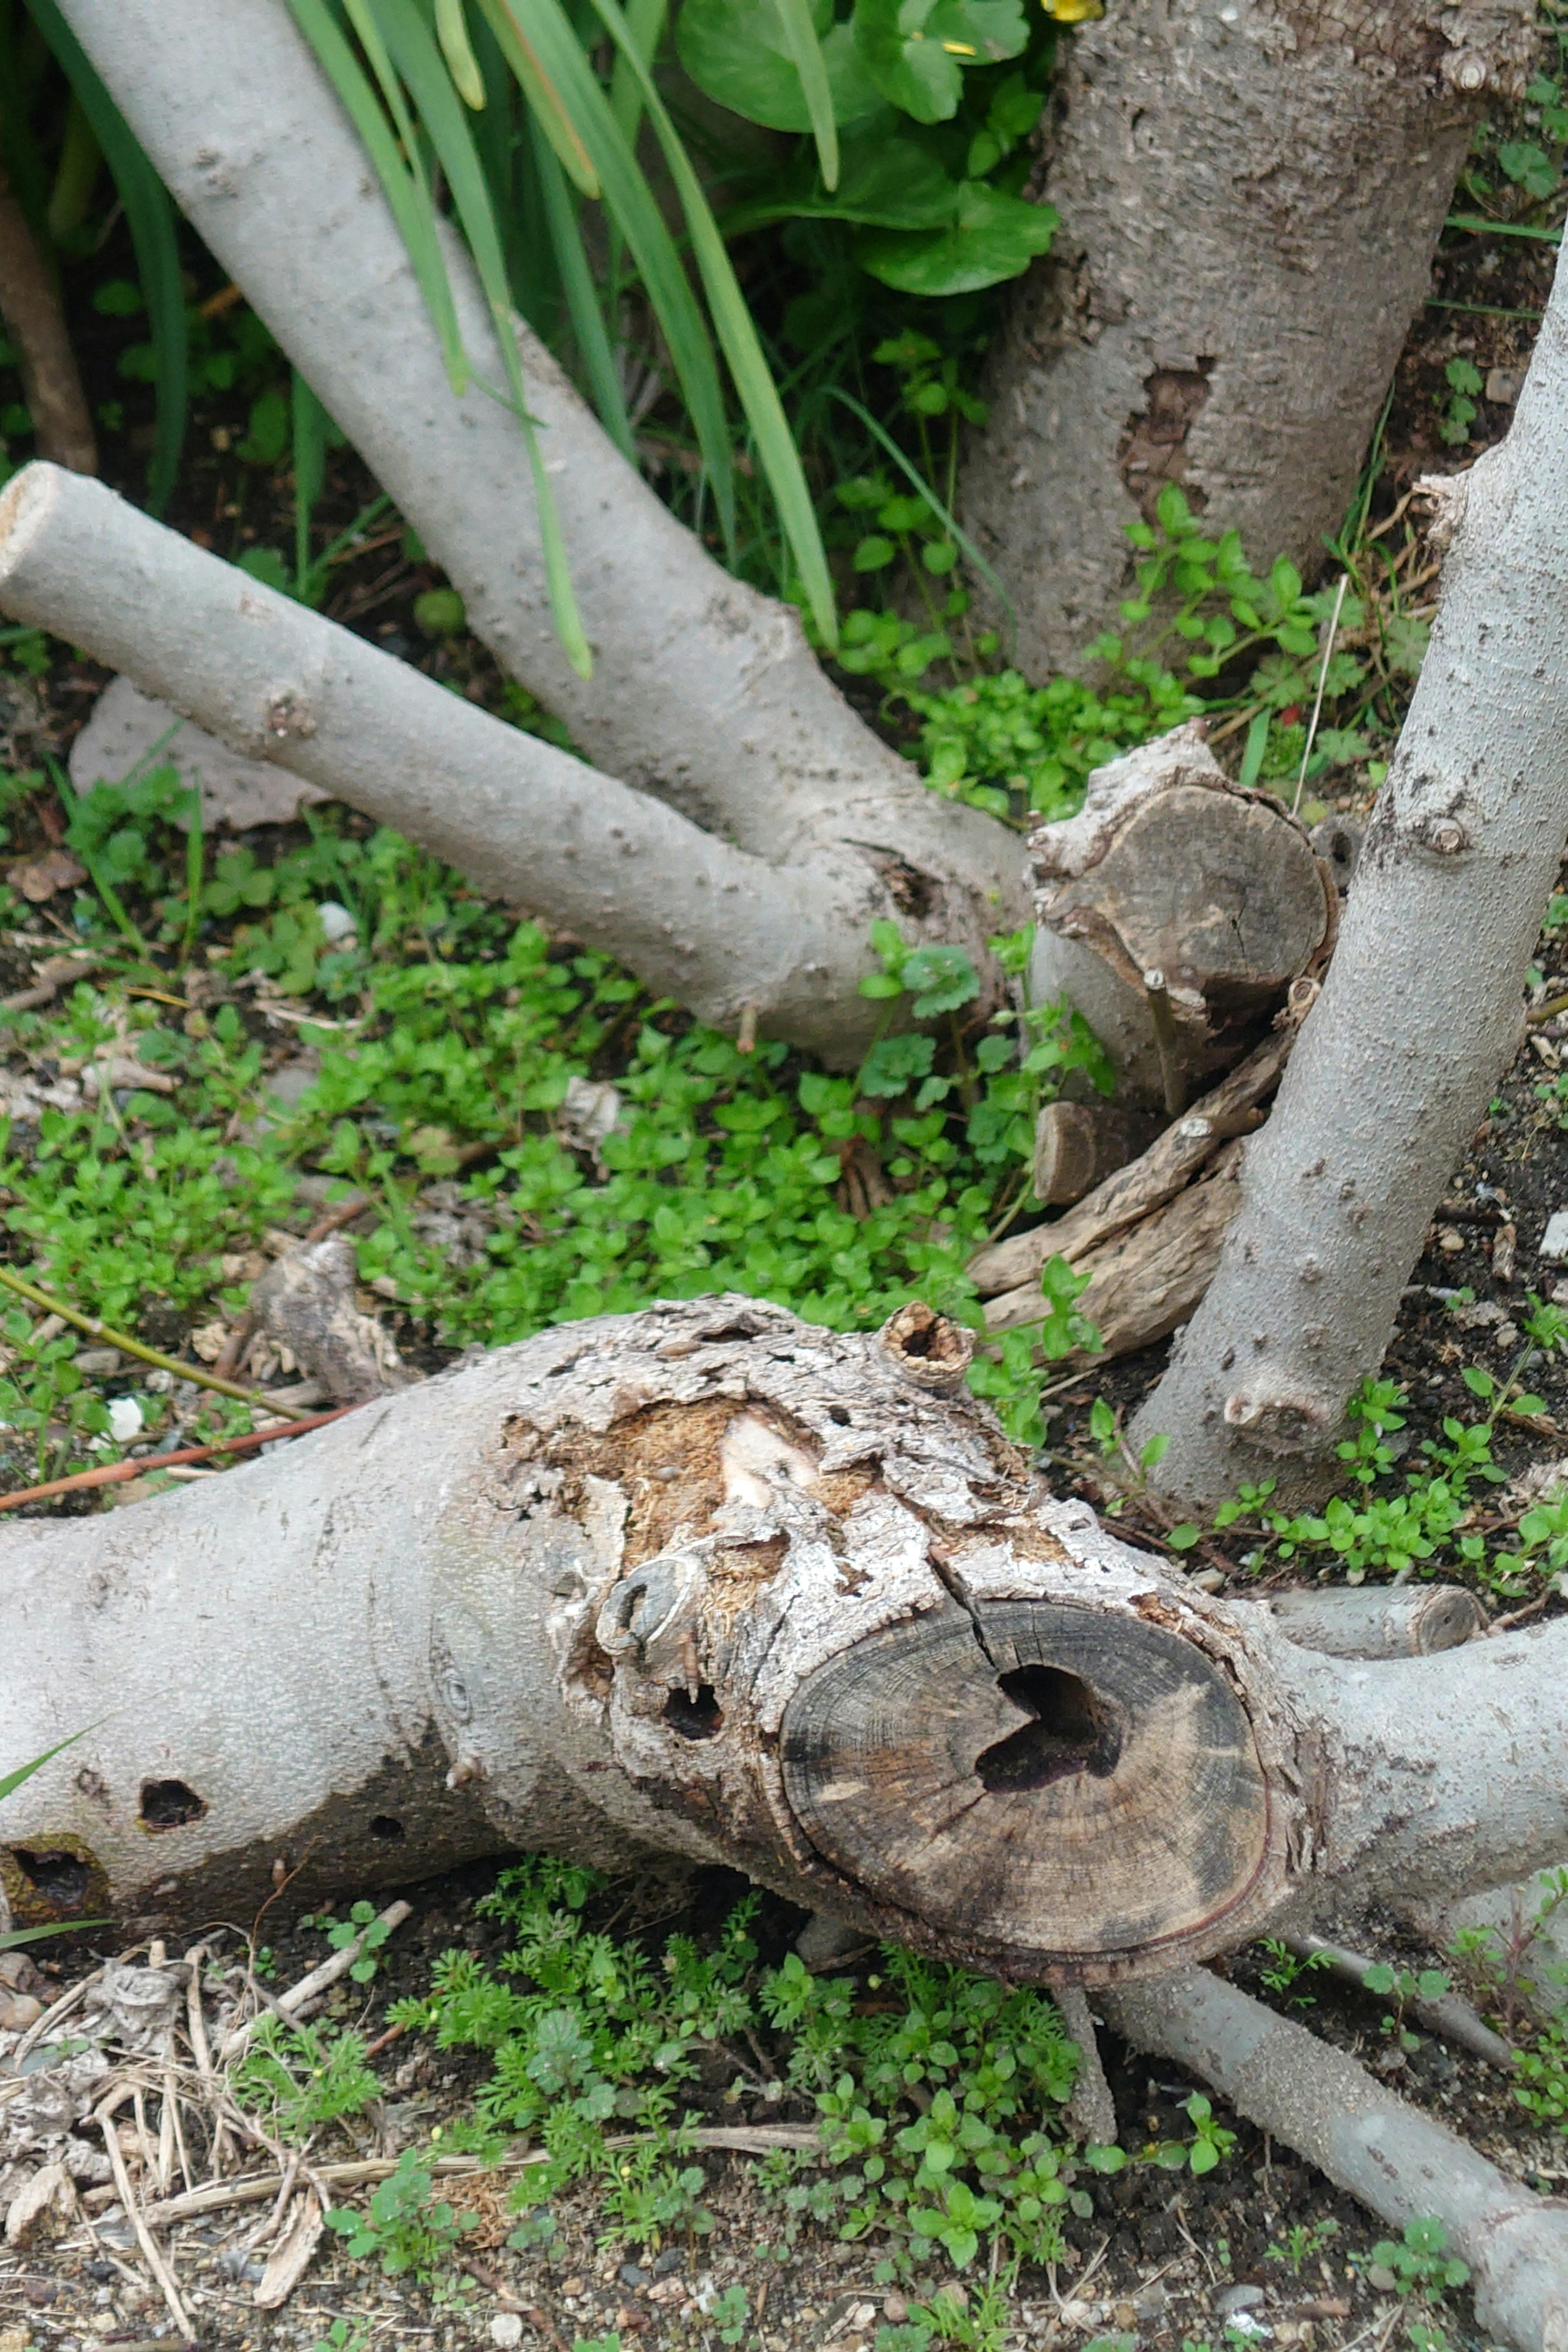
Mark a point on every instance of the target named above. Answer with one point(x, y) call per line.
point(994, 236)
point(915, 50)
point(882, 184)
point(740, 52)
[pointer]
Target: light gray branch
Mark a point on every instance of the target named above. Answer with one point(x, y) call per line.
point(1422, 1005)
point(700, 921)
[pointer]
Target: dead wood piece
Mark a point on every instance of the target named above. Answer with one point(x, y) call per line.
point(305, 1302)
point(30, 307)
point(1170, 1161)
point(1174, 910)
point(927, 1349)
point(292, 2257)
point(1368, 2140)
point(1379, 1621)
point(1148, 1279)
point(1078, 1145)
point(1092, 2110)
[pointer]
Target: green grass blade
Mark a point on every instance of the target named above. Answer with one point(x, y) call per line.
point(644, 26)
point(561, 127)
point(452, 32)
point(310, 420)
point(411, 206)
point(779, 458)
point(551, 38)
point(806, 54)
point(583, 296)
point(916, 482)
point(419, 62)
point(11, 1781)
point(151, 219)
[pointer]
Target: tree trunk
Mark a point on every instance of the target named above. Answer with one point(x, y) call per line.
point(704, 693)
point(714, 926)
point(1250, 196)
point(710, 1580)
point(1422, 1007)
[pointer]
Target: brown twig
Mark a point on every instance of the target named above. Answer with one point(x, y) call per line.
point(97, 1330)
point(51, 383)
point(104, 2118)
point(113, 1473)
point(333, 1219)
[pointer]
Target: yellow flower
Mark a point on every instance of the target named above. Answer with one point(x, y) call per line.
point(1074, 12)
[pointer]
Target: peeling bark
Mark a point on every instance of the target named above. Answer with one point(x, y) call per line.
point(711, 1582)
point(1422, 1007)
point(1250, 197)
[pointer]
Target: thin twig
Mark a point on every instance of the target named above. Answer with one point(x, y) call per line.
point(104, 2118)
point(112, 1473)
point(1322, 681)
point(291, 2003)
point(130, 1346)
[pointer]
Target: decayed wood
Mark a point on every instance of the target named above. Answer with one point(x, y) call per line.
point(1170, 1163)
point(1078, 1145)
point(1173, 911)
point(1147, 1280)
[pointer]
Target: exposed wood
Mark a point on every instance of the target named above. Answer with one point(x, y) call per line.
point(1168, 1164)
point(1173, 911)
point(1078, 1145)
point(1147, 1280)
point(30, 308)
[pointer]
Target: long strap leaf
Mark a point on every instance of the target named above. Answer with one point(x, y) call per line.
point(918, 483)
point(151, 219)
point(645, 24)
point(806, 55)
point(759, 395)
point(541, 30)
point(414, 53)
point(583, 297)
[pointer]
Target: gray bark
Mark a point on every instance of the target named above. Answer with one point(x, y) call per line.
point(711, 1580)
point(1422, 1006)
point(1250, 196)
point(704, 693)
point(712, 924)
point(1368, 2140)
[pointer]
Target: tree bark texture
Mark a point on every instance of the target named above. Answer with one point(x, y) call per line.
point(699, 919)
point(1250, 196)
point(711, 1580)
point(1422, 1006)
point(1368, 2140)
point(704, 693)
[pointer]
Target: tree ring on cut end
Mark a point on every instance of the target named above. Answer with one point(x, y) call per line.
point(1083, 1786)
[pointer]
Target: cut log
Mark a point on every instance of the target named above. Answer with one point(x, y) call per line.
point(1174, 910)
point(711, 1582)
point(1148, 1279)
point(1078, 1145)
point(1170, 1163)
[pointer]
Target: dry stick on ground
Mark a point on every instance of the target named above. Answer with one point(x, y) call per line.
point(30, 308)
point(1422, 1007)
point(1368, 2140)
point(293, 2004)
point(704, 693)
point(96, 1329)
point(1446, 2013)
point(709, 924)
point(116, 1473)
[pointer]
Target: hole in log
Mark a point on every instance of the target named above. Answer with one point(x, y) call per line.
point(60, 1880)
point(1071, 1732)
point(702, 1717)
point(169, 1805)
point(386, 1825)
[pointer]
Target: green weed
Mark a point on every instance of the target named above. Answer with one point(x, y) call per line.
point(303, 2076)
point(409, 2230)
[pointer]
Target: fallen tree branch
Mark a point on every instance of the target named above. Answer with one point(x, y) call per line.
point(712, 924)
point(1447, 2014)
point(51, 381)
point(1367, 2139)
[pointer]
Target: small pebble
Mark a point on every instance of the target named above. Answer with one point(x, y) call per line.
point(1382, 2280)
point(1554, 1239)
point(18, 2010)
point(505, 2328)
point(337, 923)
point(1245, 2296)
point(633, 2276)
point(125, 1419)
point(670, 2260)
